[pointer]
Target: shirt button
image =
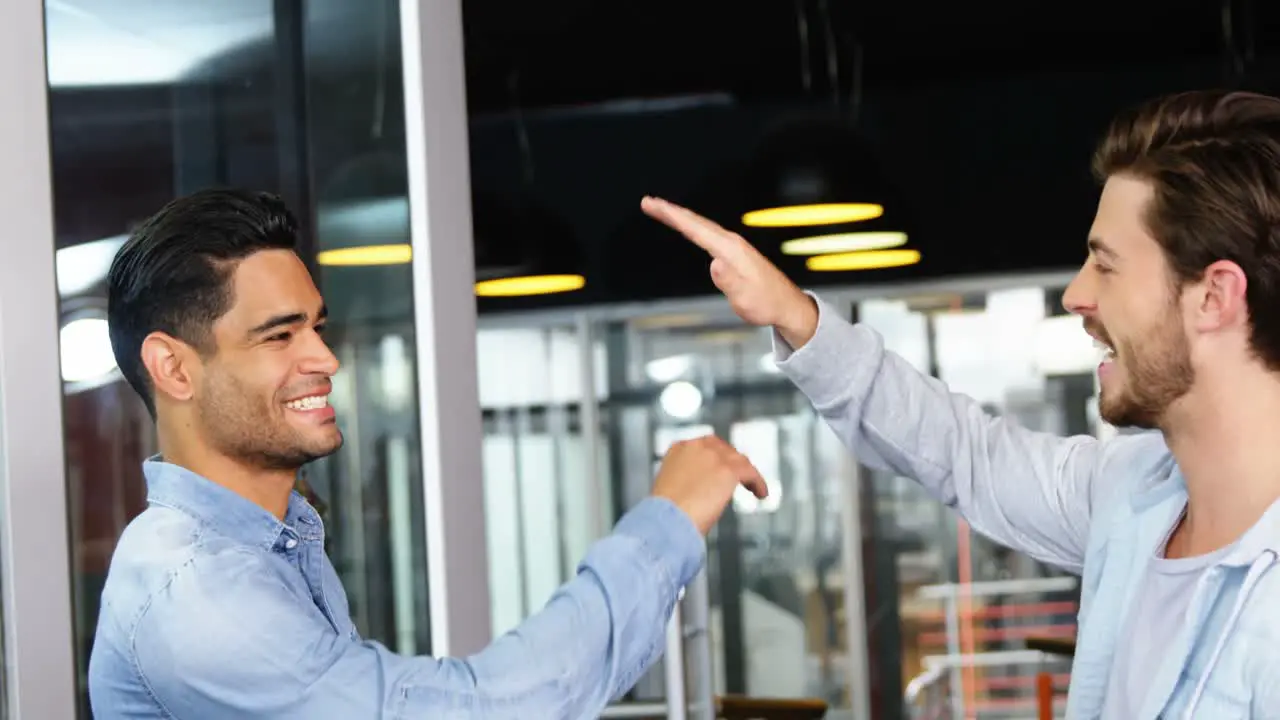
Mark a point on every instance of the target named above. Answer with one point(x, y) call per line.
point(291, 543)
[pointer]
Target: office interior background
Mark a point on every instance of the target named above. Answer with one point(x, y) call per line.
point(437, 150)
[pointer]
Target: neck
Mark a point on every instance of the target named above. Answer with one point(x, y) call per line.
point(1224, 437)
point(269, 489)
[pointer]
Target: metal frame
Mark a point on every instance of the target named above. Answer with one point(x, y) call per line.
point(34, 559)
point(444, 309)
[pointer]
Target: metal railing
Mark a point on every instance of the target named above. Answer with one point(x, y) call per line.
point(928, 695)
point(939, 691)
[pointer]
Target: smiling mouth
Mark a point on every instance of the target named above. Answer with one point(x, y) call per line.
point(1108, 352)
point(311, 402)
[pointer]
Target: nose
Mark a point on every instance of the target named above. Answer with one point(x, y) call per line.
point(318, 358)
point(1080, 297)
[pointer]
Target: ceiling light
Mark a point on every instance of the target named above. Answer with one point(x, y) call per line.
point(817, 214)
point(529, 285)
point(360, 256)
point(813, 172)
point(869, 260)
point(843, 242)
point(523, 249)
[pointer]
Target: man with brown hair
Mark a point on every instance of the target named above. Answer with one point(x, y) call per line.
point(1176, 533)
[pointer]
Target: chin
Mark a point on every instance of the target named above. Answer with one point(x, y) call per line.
point(329, 445)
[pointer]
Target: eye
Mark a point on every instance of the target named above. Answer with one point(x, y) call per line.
point(320, 328)
point(1102, 269)
point(283, 337)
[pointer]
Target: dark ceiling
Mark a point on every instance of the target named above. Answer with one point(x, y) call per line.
point(577, 51)
point(983, 113)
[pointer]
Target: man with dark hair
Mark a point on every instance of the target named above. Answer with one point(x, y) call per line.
point(220, 601)
point(1177, 532)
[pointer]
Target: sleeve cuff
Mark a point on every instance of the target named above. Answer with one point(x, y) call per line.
point(839, 357)
point(669, 536)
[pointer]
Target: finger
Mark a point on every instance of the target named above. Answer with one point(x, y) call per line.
point(756, 484)
point(748, 476)
point(704, 233)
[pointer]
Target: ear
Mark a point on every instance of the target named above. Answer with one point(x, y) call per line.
point(1222, 303)
point(171, 364)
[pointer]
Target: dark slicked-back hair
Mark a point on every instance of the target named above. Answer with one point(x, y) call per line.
point(1213, 159)
point(173, 275)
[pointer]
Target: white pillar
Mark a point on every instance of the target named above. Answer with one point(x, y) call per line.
point(35, 582)
point(444, 308)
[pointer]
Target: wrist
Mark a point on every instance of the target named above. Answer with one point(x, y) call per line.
point(800, 322)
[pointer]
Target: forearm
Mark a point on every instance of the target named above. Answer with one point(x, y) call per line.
point(1025, 489)
point(595, 638)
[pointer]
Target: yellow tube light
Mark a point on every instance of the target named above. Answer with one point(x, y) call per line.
point(530, 285)
point(843, 242)
point(366, 255)
point(805, 215)
point(868, 260)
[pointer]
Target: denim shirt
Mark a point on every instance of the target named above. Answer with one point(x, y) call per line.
point(1099, 510)
point(213, 608)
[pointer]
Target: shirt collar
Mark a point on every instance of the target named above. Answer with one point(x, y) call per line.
point(230, 514)
point(1263, 537)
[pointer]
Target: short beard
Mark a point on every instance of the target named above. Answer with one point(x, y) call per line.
point(1156, 375)
point(242, 428)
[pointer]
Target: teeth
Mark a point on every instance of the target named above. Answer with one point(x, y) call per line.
point(315, 402)
point(1107, 351)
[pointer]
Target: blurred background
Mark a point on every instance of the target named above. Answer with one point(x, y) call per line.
point(948, 145)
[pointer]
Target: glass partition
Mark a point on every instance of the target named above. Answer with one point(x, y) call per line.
point(847, 585)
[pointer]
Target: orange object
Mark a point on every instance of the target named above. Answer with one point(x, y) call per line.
point(1044, 695)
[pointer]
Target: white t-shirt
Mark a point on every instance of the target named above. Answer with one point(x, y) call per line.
point(1158, 613)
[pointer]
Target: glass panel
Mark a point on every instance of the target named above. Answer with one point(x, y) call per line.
point(775, 573)
point(150, 100)
point(544, 504)
point(955, 594)
point(778, 571)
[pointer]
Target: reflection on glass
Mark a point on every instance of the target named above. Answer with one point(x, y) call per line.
point(153, 100)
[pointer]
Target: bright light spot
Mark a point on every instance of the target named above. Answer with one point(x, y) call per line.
point(668, 369)
point(1060, 346)
point(844, 242)
point(86, 350)
point(805, 215)
point(681, 400)
point(81, 267)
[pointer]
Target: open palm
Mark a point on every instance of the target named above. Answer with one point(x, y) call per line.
point(756, 289)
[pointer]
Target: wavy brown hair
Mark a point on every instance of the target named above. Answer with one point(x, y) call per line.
point(1213, 159)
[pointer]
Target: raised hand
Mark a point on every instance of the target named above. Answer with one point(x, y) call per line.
point(756, 289)
point(700, 475)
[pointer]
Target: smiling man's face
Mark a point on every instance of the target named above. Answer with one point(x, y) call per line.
point(263, 393)
point(1130, 304)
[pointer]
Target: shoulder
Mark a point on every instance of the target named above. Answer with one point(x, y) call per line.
point(1133, 463)
point(227, 624)
point(172, 580)
point(1144, 454)
point(154, 547)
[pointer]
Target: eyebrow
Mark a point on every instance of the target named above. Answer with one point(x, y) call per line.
point(276, 322)
point(1098, 247)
